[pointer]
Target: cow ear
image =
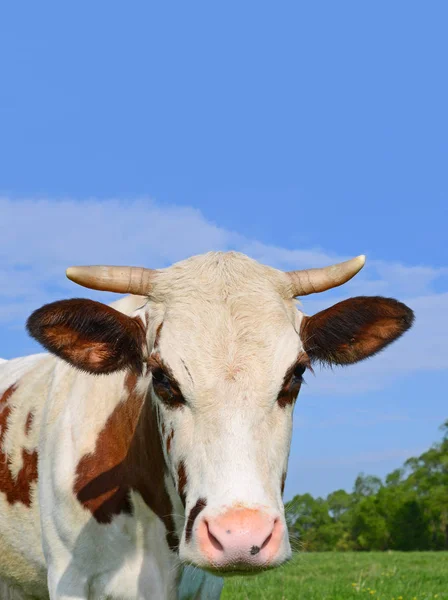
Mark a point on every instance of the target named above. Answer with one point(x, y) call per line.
point(354, 329)
point(89, 335)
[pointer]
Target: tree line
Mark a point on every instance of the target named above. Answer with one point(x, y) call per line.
point(408, 511)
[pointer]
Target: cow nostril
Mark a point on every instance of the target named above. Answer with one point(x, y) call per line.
point(257, 549)
point(266, 541)
point(269, 538)
point(214, 541)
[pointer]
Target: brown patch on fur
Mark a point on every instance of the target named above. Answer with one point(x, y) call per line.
point(128, 456)
point(89, 335)
point(354, 329)
point(182, 481)
point(29, 422)
point(7, 394)
point(194, 512)
point(158, 332)
point(16, 489)
point(169, 440)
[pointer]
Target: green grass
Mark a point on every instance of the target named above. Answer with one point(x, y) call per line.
point(347, 576)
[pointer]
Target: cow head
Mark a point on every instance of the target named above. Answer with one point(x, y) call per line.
point(222, 348)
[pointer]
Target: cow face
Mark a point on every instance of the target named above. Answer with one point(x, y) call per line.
point(223, 350)
point(225, 383)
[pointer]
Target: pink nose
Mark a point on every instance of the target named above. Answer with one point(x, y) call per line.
point(240, 537)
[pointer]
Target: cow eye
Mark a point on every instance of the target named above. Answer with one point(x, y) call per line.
point(159, 378)
point(298, 372)
point(167, 391)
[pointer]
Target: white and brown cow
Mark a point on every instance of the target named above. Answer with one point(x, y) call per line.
point(157, 431)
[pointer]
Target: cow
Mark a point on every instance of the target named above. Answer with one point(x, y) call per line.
point(145, 455)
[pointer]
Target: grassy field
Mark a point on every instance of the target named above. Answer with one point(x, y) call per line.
point(345, 576)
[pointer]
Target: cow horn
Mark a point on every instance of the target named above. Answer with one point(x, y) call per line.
point(124, 280)
point(311, 281)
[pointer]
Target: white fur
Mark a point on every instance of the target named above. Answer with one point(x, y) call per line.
point(229, 334)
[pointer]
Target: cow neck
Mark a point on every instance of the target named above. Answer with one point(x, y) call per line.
point(128, 456)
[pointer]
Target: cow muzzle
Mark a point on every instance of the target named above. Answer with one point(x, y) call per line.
point(240, 539)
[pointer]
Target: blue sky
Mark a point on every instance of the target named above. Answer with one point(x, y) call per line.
point(297, 132)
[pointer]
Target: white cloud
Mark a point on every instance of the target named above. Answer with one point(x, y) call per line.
point(40, 238)
point(50, 233)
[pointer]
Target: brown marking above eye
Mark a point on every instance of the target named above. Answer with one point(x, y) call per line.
point(164, 383)
point(292, 380)
point(158, 332)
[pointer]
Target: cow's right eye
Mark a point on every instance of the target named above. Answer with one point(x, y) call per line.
point(160, 378)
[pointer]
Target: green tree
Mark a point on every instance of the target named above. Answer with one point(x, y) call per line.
point(308, 520)
point(368, 525)
point(409, 527)
point(339, 502)
point(366, 485)
point(408, 512)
